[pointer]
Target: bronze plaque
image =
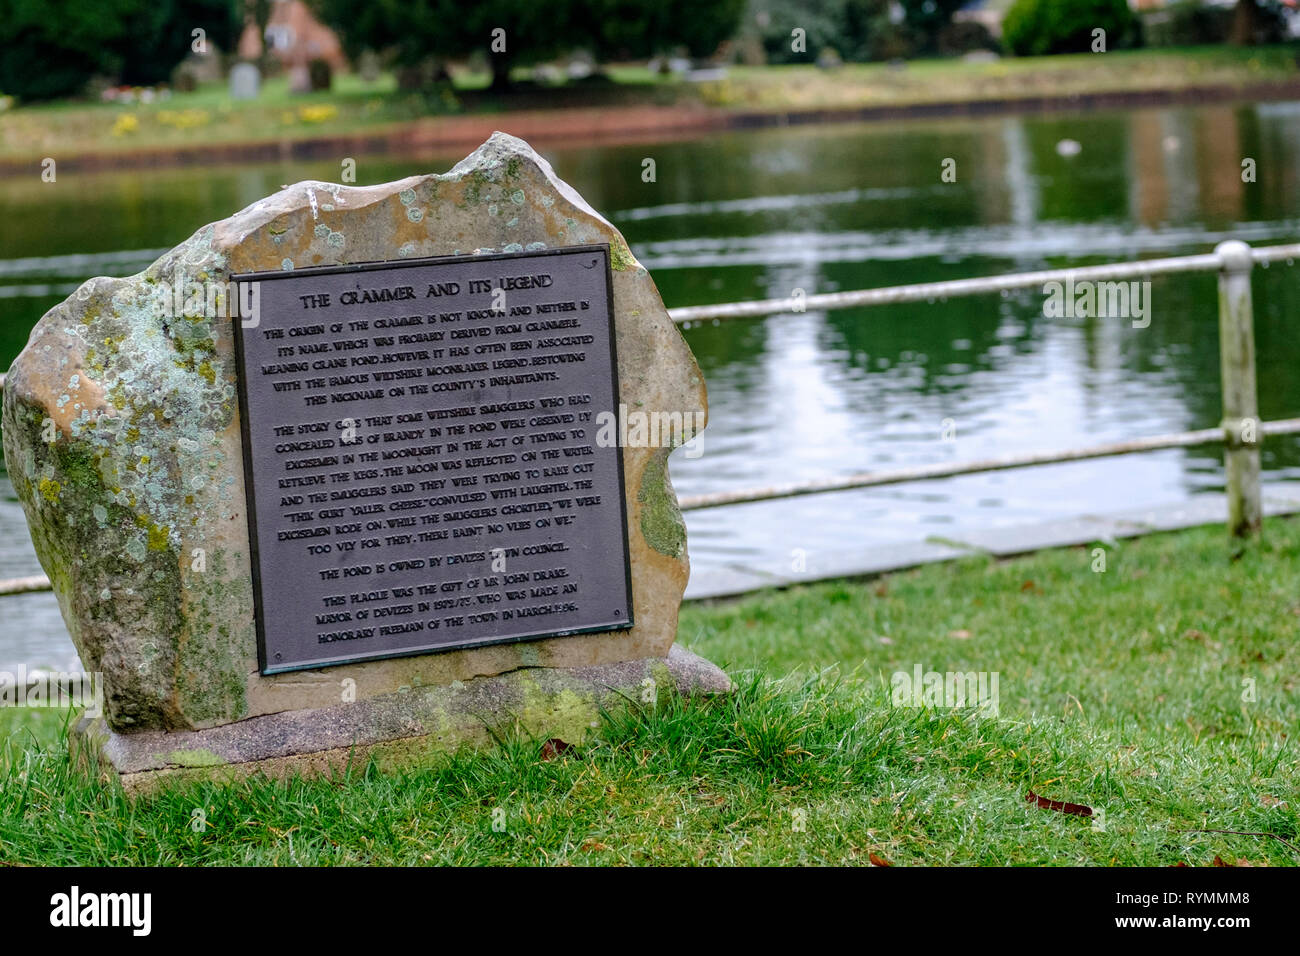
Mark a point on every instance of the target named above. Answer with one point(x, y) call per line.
point(421, 458)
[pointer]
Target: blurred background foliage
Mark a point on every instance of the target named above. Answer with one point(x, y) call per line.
point(59, 48)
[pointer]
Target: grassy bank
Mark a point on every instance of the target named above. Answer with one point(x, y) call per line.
point(1122, 690)
point(207, 118)
point(1013, 78)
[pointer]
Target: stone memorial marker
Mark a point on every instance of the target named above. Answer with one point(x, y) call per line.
point(245, 81)
point(363, 471)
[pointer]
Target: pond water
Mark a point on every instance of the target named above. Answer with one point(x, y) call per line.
point(760, 214)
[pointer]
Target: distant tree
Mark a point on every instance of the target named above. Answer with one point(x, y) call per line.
point(622, 29)
point(856, 29)
point(1245, 16)
point(867, 31)
point(636, 29)
point(161, 34)
point(53, 47)
point(1258, 21)
point(509, 32)
point(513, 32)
point(701, 26)
point(518, 32)
point(926, 19)
point(258, 14)
point(793, 31)
point(47, 51)
point(407, 31)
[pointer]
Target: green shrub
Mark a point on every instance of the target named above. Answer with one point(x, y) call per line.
point(1038, 27)
point(52, 48)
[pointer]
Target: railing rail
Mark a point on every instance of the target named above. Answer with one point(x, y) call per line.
point(953, 288)
point(896, 476)
point(1240, 430)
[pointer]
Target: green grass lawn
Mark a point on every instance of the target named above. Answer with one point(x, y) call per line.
point(1164, 691)
point(208, 117)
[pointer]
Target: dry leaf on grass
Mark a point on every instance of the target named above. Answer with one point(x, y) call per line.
point(554, 748)
point(1077, 809)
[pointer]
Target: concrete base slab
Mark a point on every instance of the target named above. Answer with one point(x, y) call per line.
point(731, 581)
point(1205, 508)
point(728, 581)
point(407, 728)
point(1280, 497)
point(895, 556)
point(1022, 539)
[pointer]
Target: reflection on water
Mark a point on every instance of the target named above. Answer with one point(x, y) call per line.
point(755, 215)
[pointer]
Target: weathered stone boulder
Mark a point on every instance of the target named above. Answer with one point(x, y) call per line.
point(122, 437)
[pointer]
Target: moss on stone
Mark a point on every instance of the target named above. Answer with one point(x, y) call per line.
point(194, 758)
point(661, 520)
point(78, 467)
point(620, 256)
point(474, 190)
point(566, 714)
point(158, 538)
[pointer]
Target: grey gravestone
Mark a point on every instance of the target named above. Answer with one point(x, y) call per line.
point(245, 81)
point(135, 435)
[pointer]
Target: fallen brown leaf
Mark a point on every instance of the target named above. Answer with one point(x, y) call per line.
point(554, 748)
point(1078, 809)
point(878, 860)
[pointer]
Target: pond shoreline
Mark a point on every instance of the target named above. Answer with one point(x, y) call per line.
point(623, 125)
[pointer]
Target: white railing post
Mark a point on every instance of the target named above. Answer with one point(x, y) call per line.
point(1240, 404)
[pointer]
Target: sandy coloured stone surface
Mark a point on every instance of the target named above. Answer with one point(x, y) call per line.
point(122, 438)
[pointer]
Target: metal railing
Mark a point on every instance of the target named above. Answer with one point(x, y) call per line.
point(1240, 431)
